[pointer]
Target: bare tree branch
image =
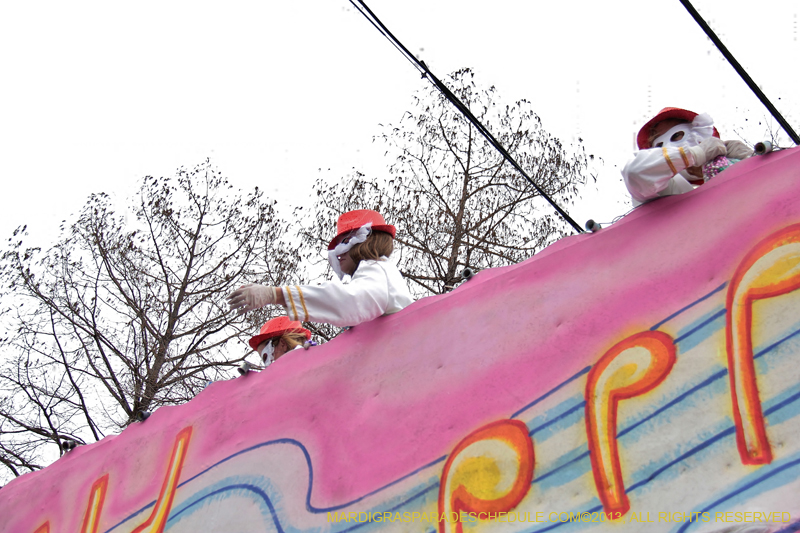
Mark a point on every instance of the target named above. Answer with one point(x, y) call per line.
point(455, 201)
point(126, 312)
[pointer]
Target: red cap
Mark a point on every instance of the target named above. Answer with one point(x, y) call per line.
point(353, 220)
point(277, 327)
point(667, 113)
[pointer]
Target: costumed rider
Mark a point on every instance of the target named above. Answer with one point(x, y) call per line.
point(678, 149)
point(360, 250)
point(279, 336)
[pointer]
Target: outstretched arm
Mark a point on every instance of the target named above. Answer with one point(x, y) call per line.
point(366, 297)
point(654, 172)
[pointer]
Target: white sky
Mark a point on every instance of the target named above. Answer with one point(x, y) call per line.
point(95, 95)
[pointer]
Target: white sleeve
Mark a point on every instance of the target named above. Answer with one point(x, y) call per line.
point(653, 172)
point(341, 304)
point(399, 296)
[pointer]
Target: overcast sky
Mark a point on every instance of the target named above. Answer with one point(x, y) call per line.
point(95, 95)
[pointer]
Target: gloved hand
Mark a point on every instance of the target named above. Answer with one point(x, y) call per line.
point(251, 297)
point(708, 150)
point(738, 150)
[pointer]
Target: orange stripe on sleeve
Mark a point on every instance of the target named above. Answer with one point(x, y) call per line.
point(669, 161)
point(302, 302)
point(684, 157)
point(291, 302)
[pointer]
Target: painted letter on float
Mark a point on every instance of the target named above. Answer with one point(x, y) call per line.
point(489, 471)
point(630, 368)
point(770, 269)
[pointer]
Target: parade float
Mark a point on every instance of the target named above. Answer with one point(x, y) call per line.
point(644, 377)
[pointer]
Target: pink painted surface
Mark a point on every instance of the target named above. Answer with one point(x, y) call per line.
point(391, 396)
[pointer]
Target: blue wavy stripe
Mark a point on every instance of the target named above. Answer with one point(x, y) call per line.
point(309, 506)
point(586, 370)
point(174, 516)
point(675, 401)
point(682, 310)
point(760, 479)
point(775, 470)
point(659, 324)
point(551, 391)
point(577, 408)
point(569, 412)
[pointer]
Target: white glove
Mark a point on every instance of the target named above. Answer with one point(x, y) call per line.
point(738, 150)
point(250, 297)
point(708, 150)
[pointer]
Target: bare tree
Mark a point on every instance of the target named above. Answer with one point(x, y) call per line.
point(118, 318)
point(455, 200)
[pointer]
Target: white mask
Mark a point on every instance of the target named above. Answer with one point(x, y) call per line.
point(267, 354)
point(700, 129)
point(359, 236)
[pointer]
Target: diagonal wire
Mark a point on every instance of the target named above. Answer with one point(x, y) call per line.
point(741, 71)
point(426, 73)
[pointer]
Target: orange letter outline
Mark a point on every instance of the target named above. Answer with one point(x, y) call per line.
point(479, 459)
point(97, 496)
point(770, 269)
point(630, 368)
point(158, 518)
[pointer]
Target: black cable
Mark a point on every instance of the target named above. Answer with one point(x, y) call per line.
point(426, 72)
point(375, 21)
point(738, 68)
point(386, 33)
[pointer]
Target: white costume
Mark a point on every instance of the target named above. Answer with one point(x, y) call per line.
point(376, 288)
point(658, 172)
point(655, 172)
point(662, 169)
